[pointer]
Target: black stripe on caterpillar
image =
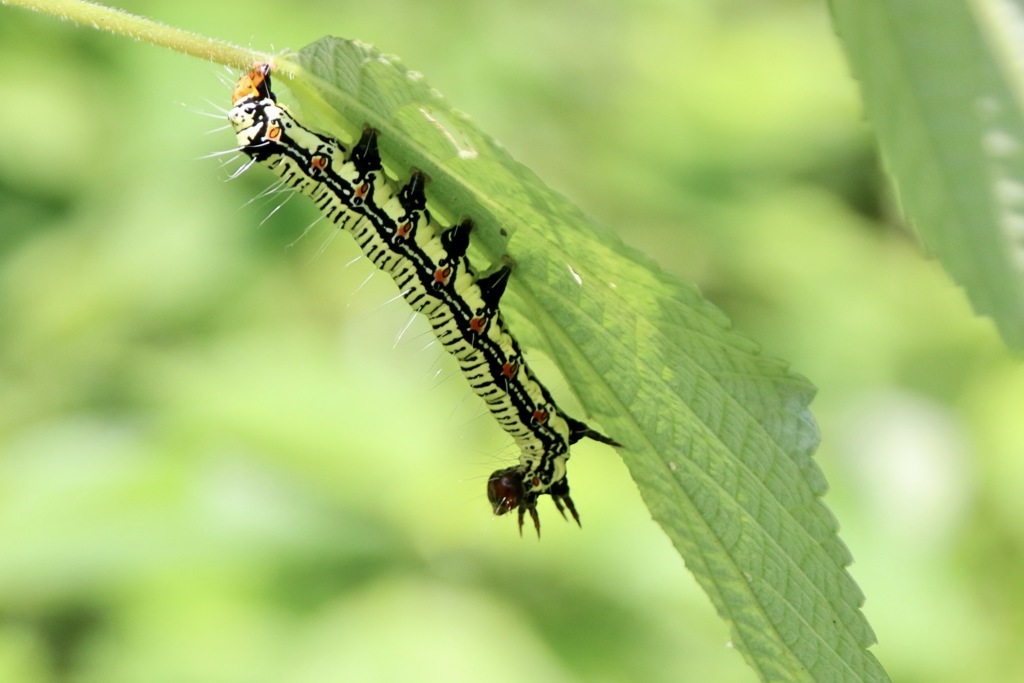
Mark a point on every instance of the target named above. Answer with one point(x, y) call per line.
point(395, 230)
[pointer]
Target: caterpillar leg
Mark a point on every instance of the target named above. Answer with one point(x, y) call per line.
point(560, 494)
point(532, 508)
point(507, 491)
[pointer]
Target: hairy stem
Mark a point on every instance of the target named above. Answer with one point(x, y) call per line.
point(142, 29)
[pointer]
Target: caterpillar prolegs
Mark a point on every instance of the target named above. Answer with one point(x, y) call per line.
point(395, 230)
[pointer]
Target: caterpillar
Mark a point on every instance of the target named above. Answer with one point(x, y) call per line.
point(393, 226)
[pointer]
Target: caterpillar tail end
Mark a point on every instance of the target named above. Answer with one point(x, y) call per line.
point(254, 85)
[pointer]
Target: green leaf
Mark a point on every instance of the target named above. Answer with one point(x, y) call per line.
point(942, 87)
point(718, 437)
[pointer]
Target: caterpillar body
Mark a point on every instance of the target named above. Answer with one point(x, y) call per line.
point(395, 230)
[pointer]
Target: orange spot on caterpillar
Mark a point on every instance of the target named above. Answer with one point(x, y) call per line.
point(540, 416)
point(273, 133)
point(362, 191)
point(318, 163)
point(509, 369)
point(404, 229)
point(442, 275)
point(478, 324)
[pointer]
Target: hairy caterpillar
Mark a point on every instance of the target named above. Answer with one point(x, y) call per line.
point(428, 262)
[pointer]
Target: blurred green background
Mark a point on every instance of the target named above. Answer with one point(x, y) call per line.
point(217, 464)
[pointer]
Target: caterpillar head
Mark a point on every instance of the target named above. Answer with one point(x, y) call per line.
point(507, 490)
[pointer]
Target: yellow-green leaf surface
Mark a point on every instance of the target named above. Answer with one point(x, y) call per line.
point(718, 437)
point(942, 86)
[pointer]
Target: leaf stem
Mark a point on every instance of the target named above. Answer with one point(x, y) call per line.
point(142, 29)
